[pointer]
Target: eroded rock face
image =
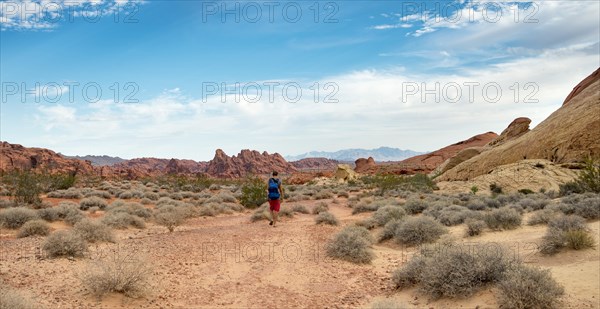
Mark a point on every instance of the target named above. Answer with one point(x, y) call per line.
point(345, 173)
point(592, 78)
point(569, 135)
point(515, 129)
point(17, 157)
point(315, 164)
point(247, 162)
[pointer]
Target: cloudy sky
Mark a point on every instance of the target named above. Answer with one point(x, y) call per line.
point(183, 78)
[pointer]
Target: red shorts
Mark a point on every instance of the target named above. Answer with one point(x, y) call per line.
point(274, 205)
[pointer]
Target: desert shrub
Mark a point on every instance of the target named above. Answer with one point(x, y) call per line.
point(14, 218)
point(65, 243)
point(454, 214)
point(323, 194)
point(7, 204)
point(170, 217)
point(326, 218)
point(490, 203)
point(122, 220)
point(49, 214)
point(386, 213)
point(125, 195)
point(566, 232)
point(528, 287)
point(34, 227)
point(525, 191)
point(222, 197)
point(97, 193)
point(319, 208)
point(588, 179)
point(93, 231)
point(343, 194)
point(261, 213)
point(589, 208)
point(474, 227)
point(25, 186)
point(253, 192)
point(146, 201)
point(300, 209)
point(285, 211)
point(541, 216)
point(567, 223)
point(12, 299)
point(476, 205)
point(415, 206)
point(368, 223)
point(366, 205)
point(571, 187)
point(453, 271)
point(214, 187)
point(351, 244)
point(389, 229)
point(120, 271)
point(153, 196)
point(419, 230)
point(73, 216)
point(579, 239)
point(503, 218)
point(386, 303)
point(71, 193)
point(93, 201)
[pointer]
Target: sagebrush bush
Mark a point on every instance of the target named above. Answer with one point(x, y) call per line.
point(122, 220)
point(93, 201)
point(65, 243)
point(49, 214)
point(14, 218)
point(415, 206)
point(366, 205)
point(454, 215)
point(453, 271)
point(566, 232)
point(12, 299)
point(567, 223)
point(541, 216)
point(326, 218)
point(474, 227)
point(120, 271)
point(93, 231)
point(419, 230)
point(503, 218)
point(33, 228)
point(343, 194)
point(70, 193)
point(169, 217)
point(261, 213)
point(368, 223)
point(528, 287)
point(387, 213)
point(300, 209)
point(389, 229)
point(589, 208)
point(579, 240)
point(7, 204)
point(477, 205)
point(319, 208)
point(351, 244)
point(323, 194)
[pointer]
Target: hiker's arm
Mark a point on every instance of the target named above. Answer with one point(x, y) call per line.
point(281, 192)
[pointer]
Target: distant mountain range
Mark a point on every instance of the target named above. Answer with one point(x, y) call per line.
point(380, 154)
point(98, 160)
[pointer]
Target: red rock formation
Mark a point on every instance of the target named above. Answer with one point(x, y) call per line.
point(582, 85)
point(515, 129)
point(363, 164)
point(315, 164)
point(247, 162)
point(17, 157)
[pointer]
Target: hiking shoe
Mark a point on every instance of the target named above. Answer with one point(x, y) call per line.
point(271, 223)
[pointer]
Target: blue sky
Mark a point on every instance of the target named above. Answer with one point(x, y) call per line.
point(369, 59)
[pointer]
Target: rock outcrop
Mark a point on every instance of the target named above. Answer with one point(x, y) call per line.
point(362, 164)
point(569, 135)
point(315, 164)
point(345, 173)
point(17, 157)
point(247, 162)
point(515, 129)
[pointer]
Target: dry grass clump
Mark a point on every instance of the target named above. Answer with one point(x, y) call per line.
point(453, 271)
point(415, 206)
point(344, 194)
point(387, 213)
point(321, 207)
point(326, 217)
point(474, 227)
point(419, 230)
point(300, 209)
point(169, 217)
point(65, 243)
point(122, 220)
point(351, 244)
point(93, 201)
point(119, 271)
point(14, 218)
point(566, 232)
point(503, 219)
point(94, 231)
point(12, 299)
point(323, 194)
point(368, 223)
point(528, 287)
point(33, 228)
point(261, 213)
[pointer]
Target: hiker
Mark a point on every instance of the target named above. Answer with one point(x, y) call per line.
point(275, 194)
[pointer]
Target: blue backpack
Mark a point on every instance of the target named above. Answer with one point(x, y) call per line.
point(273, 189)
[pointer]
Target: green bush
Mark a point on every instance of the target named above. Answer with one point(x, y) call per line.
point(527, 287)
point(503, 218)
point(14, 218)
point(34, 227)
point(25, 187)
point(589, 177)
point(326, 218)
point(65, 243)
point(254, 192)
point(419, 230)
point(351, 244)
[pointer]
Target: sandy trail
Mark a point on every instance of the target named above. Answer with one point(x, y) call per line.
point(229, 262)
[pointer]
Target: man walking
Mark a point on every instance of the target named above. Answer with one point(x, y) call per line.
point(275, 194)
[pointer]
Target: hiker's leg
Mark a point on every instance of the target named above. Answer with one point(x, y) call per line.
point(274, 216)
